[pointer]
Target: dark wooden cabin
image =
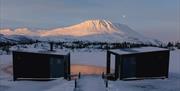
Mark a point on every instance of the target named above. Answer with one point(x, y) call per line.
point(138, 63)
point(40, 65)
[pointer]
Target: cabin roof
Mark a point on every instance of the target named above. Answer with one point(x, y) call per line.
point(137, 50)
point(42, 51)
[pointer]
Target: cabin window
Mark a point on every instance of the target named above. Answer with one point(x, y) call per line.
point(18, 57)
point(129, 66)
point(58, 61)
point(56, 67)
point(55, 60)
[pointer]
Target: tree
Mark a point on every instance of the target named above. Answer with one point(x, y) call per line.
point(177, 45)
point(6, 49)
point(170, 44)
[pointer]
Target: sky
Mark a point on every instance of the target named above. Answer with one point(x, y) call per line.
point(159, 19)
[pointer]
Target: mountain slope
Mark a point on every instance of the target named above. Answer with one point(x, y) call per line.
point(89, 27)
point(90, 30)
point(14, 39)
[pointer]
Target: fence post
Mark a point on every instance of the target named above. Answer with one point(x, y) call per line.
point(79, 76)
point(103, 75)
point(106, 83)
point(75, 83)
point(70, 78)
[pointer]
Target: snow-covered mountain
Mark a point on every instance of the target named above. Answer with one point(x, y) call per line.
point(14, 39)
point(90, 30)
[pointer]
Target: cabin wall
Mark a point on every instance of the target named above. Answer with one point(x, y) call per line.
point(149, 64)
point(57, 66)
point(29, 65)
point(68, 67)
point(35, 65)
point(153, 64)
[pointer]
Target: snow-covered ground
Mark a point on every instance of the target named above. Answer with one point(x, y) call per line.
point(96, 58)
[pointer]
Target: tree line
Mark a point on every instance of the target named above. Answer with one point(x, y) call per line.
point(90, 45)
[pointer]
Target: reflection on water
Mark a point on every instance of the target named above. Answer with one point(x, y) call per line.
point(87, 69)
point(75, 69)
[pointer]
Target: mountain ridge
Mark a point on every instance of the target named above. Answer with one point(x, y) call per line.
point(90, 30)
